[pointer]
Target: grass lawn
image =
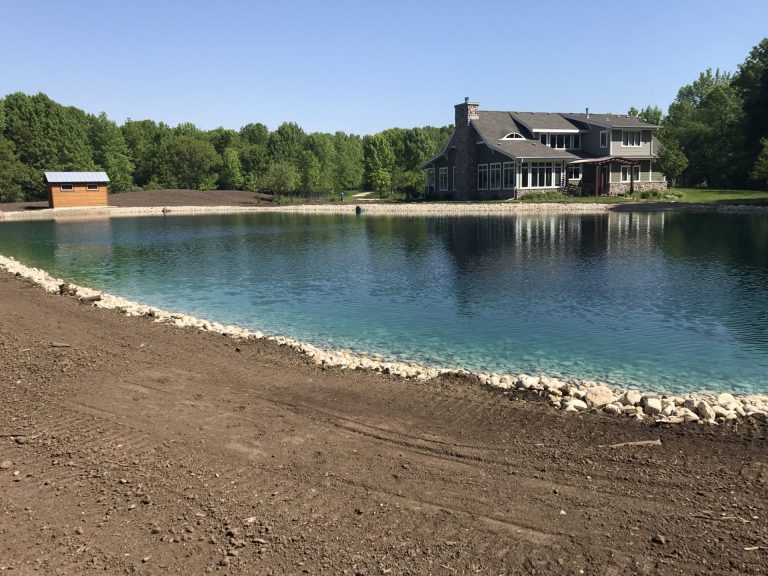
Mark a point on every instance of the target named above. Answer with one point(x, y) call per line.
point(722, 196)
point(682, 195)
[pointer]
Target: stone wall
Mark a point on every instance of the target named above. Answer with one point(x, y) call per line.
point(621, 188)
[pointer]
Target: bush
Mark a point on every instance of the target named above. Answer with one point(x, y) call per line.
point(545, 196)
point(656, 194)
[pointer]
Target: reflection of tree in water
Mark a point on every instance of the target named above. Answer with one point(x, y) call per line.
point(726, 258)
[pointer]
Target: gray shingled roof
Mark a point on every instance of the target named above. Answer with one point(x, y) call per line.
point(493, 126)
point(544, 121)
point(75, 177)
point(531, 149)
point(612, 120)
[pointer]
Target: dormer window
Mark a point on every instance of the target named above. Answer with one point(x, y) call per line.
point(513, 136)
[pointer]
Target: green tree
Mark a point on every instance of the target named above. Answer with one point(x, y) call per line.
point(286, 143)
point(254, 134)
point(223, 138)
point(14, 175)
point(281, 179)
point(672, 161)
point(378, 158)
point(381, 181)
point(111, 154)
point(231, 173)
point(751, 83)
point(310, 174)
point(194, 162)
point(348, 168)
point(760, 169)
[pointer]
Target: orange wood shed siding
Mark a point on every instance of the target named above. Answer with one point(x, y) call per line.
point(78, 196)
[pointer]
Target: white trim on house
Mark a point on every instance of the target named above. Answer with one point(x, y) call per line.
point(92, 187)
point(494, 176)
point(556, 130)
point(66, 187)
point(513, 136)
point(508, 174)
point(482, 169)
point(442, 178)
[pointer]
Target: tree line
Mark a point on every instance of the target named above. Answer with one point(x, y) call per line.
point(715, 133)
point(39, 134)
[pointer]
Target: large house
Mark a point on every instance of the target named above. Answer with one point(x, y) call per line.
point(510, 154)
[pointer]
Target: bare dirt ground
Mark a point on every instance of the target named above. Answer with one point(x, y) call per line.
point(165, 198)
point(132, 447)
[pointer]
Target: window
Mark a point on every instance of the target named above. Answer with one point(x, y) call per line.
point(495, 176)
point(543, 138)
point(430, 180)
point(513, 136)
point(509, 175)
point(442, 175)
point(573, 172)
point(604, 139)
point(631, 138)
point(67, 187)
point(482, 176)
point(558, 141)
point(575, 142)
point(558, 175)
point(92, 187)
point(537, 175)
point(625, 173)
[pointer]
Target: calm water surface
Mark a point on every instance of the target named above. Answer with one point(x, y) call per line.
point(664, 300)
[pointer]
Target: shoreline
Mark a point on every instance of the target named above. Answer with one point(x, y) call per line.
point(567, 394)
point(379, 209)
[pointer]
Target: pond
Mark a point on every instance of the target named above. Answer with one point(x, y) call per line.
point(668, 301)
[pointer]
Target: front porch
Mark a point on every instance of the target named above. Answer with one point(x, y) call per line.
point(596, 177)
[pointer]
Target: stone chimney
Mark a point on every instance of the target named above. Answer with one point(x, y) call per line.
point(464, 138)
point(466, 112)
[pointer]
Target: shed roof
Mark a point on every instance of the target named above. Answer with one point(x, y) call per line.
point(75, 177)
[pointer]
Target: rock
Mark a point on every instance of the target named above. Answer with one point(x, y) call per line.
point(21, 439)
point(725, 398)
point(575, 404)
point(78, 530)
point(630, 398)
point(5, 464)
point(599, 396)
point(659, 539)
point(705, 411)
point(652, 406)
point(613, 409)
point(686, 414)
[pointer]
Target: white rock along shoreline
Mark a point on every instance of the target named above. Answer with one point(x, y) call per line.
point(372, 208)
point(567, 394)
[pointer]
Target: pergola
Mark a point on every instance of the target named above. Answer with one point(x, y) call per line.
point(599, 163)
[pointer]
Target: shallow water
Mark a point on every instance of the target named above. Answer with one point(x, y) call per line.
point(673, 301)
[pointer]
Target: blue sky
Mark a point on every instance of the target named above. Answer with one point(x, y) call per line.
point(362, 67)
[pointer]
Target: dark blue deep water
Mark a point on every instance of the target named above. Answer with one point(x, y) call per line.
point(673, 301)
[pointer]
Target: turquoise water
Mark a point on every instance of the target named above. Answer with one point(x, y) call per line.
point(670, 301)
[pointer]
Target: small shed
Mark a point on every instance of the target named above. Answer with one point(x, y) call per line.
point(66, 189)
